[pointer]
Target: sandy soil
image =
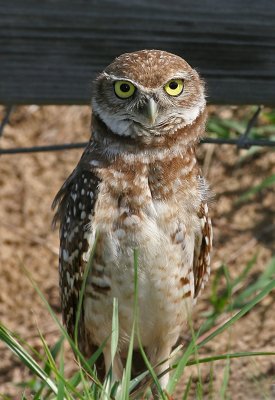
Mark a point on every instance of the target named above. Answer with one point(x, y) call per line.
point(28, 184)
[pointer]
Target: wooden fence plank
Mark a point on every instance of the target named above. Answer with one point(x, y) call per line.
point(50, 51)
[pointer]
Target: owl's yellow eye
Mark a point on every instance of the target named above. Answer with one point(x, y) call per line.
point(124, 89)
point(174, 87)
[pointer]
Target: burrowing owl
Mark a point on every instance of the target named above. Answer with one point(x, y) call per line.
point(138, 186)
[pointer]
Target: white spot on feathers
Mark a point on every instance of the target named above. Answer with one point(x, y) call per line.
point(65, 255)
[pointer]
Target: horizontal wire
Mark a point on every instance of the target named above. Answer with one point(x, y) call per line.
point(38, 149)
point(69, 146)
point(243, 141)
point(248, 143)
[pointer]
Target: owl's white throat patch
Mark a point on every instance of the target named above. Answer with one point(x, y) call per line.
point(121, 127)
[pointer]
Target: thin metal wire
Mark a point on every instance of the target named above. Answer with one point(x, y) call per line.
point(243, 142)
point(38, 149)
point(70, 146)
point(248, 142)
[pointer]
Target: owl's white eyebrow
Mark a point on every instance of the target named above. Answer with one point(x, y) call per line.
point(182, 75)
point(119, 78)
point(122, 78)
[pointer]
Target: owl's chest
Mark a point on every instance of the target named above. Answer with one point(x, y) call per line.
point(127, 217)
point(156, 216)
point(141, 200)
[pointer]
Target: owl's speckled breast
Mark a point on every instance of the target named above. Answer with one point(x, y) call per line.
point(161, 232)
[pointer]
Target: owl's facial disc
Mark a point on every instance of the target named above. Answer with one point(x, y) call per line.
point(148, 93)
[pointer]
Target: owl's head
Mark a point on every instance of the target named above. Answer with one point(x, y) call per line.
point(149, 92)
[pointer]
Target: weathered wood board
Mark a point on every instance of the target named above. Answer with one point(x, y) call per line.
point(51, 50)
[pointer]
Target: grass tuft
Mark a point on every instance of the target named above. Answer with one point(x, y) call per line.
point(49, 380)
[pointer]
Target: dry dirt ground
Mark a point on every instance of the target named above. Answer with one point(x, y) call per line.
point(28, 184)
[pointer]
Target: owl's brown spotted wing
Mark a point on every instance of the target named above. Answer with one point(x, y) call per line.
point(203, 246)
point(75, 200)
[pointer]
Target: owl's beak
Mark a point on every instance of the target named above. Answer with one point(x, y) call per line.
point(152, 110)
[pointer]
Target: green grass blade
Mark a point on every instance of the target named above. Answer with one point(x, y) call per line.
point(55, 350)
point(105, 394)
point(115, 330)
point(179, 367)
point(211, 382)
point(269, 181)
point(234, 125)
point(267, 276)
point(134, 382)
point(61, 386)
point(187, 389)
point(213, 126)
point(225, 380)
point(76, 378)
point(217, 299)
point(125, 384)
point(268, 288)
point(228, 356)
point(87, 270)
point(245, 271)
point(269, 271)
point(109, 384)
point(196, 354)
point(85, 384)
point(79, 356)
point(51, 362)
point(174, 379)
point(199, 393)
point(26, 358)
point(62, 381)
point(150, 368)
point(145, 358)
point(82, 359)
